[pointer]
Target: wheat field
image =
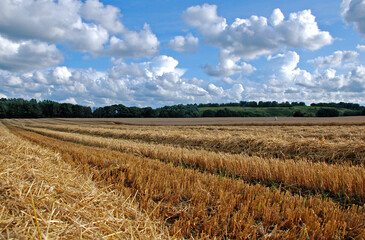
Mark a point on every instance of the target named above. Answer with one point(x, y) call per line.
point(98, 179)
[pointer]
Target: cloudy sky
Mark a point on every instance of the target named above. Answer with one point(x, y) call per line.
point(164, 52)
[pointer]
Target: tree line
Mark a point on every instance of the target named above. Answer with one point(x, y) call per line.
point(20, 108)
point(254, 104)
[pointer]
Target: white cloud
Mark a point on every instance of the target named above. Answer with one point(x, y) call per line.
point(135, 44)
point(27, 55)
point(188, 44)
point(353, 13)
point(69, 100)
point(276, 17)
point(14, 81)
point(357, 79)
point(361, 48)
point(156, 82)
point(108, 16)
point(61, 76)
point(253, 37)
point(284, 71)
point(89, 38)
point(83, 26)
point(228, 66)
point(205, 18)
point(43, 20)
point(336, 60)
point(301, 31)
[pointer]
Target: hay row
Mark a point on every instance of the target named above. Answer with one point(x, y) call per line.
point(345, 184)
point(262, 143)
point(202, 205)
point(43, 197)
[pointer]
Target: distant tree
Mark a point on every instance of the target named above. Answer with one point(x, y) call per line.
point(298, 114)
point(209, 113)
point(3, 110)
point(352, 113)
point(66, 110)
point(327, 112)
point(49, 108)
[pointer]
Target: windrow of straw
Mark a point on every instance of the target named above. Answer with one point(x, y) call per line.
point(203, 205)
point(43, 197)
point(345, 184)
point(282, 142)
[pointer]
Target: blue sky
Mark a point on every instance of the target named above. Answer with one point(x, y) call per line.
point(164, 52)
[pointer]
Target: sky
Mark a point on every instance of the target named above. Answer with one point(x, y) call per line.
point(165, 52)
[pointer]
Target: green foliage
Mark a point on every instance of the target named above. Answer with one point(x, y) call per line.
point(327, 112)
point(20, 108)
point(298, 114)
point(209, 113)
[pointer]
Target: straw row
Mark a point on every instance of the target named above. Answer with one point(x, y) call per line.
point(345, 184)
point(286, 143)
point(43, 197)
point(202, 205)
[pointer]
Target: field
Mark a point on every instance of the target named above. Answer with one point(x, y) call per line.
point(246, 178)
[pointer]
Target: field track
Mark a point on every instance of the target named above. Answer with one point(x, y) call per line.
point(237, 181)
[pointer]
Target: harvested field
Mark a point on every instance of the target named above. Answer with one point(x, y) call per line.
point(44, 197)
point(237, 182)
point(358, 120)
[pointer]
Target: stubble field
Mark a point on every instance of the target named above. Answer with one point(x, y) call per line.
point(253, 180)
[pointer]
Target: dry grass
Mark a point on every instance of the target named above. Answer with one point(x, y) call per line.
point(258, 121)
point(339, 182)
point(332, 144)
point(43, 197)
point(205, 205)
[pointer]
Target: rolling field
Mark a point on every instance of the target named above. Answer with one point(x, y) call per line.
point(182, 178)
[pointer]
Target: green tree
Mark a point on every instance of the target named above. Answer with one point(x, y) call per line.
point(327, 112)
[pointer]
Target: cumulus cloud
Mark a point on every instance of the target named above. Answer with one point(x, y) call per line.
point(108, 16)
point(287, 79)
point(205, 18)
point(253, 37)
point(361, 48)
point(69, 100)
point(339, 59)
point(27, 55)
point(187, 44)
point(353, 13)
point(301, 31)
point(61, 76)
point(357, 79)
point(228, 65)
point(88, 26)
point(256, 36)
point(284, 70)
point(156, 82)
point(135, 44)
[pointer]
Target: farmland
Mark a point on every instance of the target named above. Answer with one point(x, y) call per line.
point(204, 179)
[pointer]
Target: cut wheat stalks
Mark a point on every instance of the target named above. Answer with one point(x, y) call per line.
point(204, 205)
point(336, 146)
point(43, 197)
point(342, 183)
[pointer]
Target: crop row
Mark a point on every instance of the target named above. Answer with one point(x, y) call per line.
point(342, 183)
point(199, 205)
point(270, 144)
point(42, 197)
